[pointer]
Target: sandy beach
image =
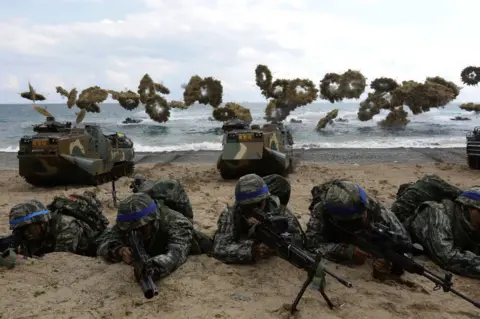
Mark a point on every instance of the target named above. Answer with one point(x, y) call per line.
point(68, 286)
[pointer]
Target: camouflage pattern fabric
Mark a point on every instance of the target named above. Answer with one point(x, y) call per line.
point(85, 207)
point(172, 192)
point(233, 241)
point(171, 239)
point(428, 188)
point(69, 235)
point(343, 194)
point(346, 201)
point(250, 189)
point(318, 193)
point(28, 212)
point(75, 146)
point(447, 236)
point(62, 233)
point(279, 186)
point(470, 198)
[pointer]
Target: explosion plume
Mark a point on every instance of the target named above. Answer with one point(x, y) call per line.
point(207, 91)
point(434, 92)
point(470, 75)
point(283, 95)
point(327, 119)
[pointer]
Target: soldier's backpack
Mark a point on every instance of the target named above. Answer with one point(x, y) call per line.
point(428, 188)
point(82, 207)
point(171, 192)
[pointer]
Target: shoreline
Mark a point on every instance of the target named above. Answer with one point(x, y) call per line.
point(8, 160)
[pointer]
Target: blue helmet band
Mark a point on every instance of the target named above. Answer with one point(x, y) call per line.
point(136, 216)
point(244, 196)
point(471, 195)
point(28, 217)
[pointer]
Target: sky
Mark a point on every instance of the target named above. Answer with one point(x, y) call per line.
point(113, 43)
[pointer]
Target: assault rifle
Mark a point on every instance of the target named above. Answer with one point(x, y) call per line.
point(143, 270)
point(271, 231)
point(379, 241)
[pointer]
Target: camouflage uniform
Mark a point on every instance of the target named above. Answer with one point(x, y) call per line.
point(171, 238)
point(85, 207)
point(171, 191)
point(343, 202)
point(233, 241)
point(428, 188)
point(172, 194)
point(445, 231)
point(62, 233)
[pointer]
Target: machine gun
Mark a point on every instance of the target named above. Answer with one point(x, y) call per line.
point(271, 231)
point(379, 241)
point(143, 270)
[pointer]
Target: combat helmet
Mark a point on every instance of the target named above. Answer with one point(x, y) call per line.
point(345, 201)
point(470, 197)
point(250, 189)
point(29, 212)
point(278, 186)
point(136, 211)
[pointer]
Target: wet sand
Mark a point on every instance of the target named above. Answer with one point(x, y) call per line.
point(8, 160)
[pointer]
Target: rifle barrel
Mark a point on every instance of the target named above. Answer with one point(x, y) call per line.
point(459, 294)
point(143, 275)
point(382, 248)
point(447, 287)
point(148, 287)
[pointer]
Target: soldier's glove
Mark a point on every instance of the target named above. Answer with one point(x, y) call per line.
point(9, 259)
point(319, 282)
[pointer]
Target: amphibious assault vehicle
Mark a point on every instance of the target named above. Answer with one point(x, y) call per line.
point(473, 148)
point(251, 149)
point(59, 154)
point(130, 120)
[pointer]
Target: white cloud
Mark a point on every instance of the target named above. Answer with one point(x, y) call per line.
point(11, 83)
point(227, 39)
point(119, 79)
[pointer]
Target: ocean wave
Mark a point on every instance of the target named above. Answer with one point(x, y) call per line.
point(311, 118)
point(374, 143)
point(190, 130)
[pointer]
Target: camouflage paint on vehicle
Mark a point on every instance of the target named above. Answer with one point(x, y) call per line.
point(473, 148)
point(263, 151)
point(243, 145)
point(59, 154)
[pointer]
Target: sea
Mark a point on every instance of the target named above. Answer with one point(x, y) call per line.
point(191, 129)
